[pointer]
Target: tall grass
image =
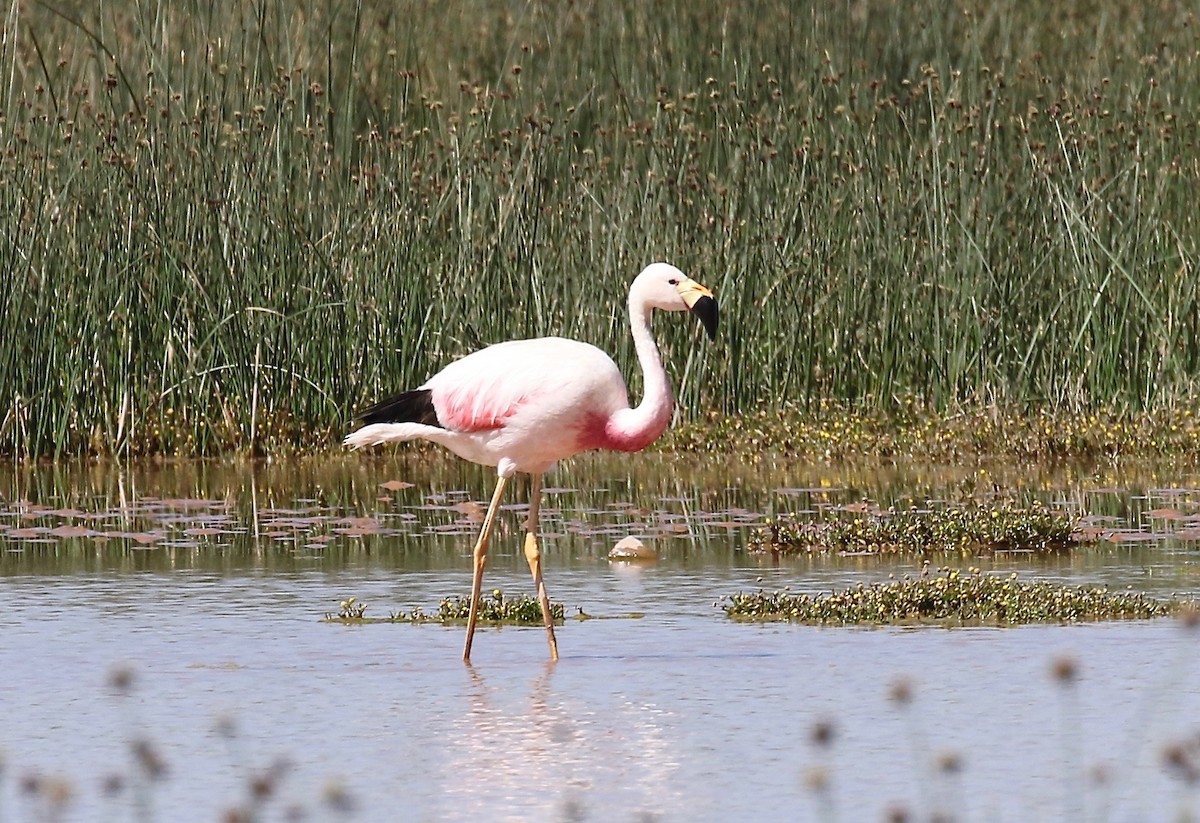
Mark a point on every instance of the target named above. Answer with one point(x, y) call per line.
point(228, 225)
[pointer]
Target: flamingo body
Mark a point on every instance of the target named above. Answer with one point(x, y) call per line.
point(523, 405)
point(529, 403)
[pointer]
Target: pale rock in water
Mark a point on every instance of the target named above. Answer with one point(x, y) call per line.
point(630, 548)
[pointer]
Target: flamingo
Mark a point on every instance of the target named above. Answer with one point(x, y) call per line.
point(524, 405)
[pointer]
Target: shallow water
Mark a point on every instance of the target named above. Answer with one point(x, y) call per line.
point(208, 582)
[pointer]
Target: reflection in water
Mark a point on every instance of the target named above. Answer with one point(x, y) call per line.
point(532, 751)
point(525, 750)
point(414, 510)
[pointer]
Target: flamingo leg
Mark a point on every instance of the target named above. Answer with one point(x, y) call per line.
point(480, 560)
point(534, 556)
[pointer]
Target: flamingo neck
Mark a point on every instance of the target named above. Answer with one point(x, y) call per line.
point(634, 429)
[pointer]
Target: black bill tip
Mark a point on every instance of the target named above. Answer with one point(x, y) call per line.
point(706, 309)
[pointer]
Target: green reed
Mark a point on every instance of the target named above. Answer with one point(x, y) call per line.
point(229, 225)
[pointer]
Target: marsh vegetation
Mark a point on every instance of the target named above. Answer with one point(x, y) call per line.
point(226, 226)
point(962, 530)
point(494, 609)
point(952, 597)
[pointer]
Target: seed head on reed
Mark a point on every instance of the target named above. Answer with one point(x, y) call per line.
point(1065, 669)
point(121, 679)
point(823, 733)
point(149, 759)
point(901, 691)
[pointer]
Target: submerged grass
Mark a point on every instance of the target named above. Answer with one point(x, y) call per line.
point(974, 530)
point(225, 226)
point(952, 597)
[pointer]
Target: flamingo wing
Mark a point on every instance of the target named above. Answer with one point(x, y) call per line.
point(547, 377)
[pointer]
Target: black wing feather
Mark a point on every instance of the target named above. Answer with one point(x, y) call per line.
point(414, 406)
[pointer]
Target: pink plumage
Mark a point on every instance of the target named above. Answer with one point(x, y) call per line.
point(525, 400)
point(524, 405)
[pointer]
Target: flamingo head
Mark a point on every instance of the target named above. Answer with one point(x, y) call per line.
point(662, 286)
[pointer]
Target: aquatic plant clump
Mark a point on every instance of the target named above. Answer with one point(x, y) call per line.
point(523, 610)
point(498, 609)
point(951, 596)
point(966, 531)
point(351, 609)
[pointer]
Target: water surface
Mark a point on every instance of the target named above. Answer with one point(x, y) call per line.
point(208, 583)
